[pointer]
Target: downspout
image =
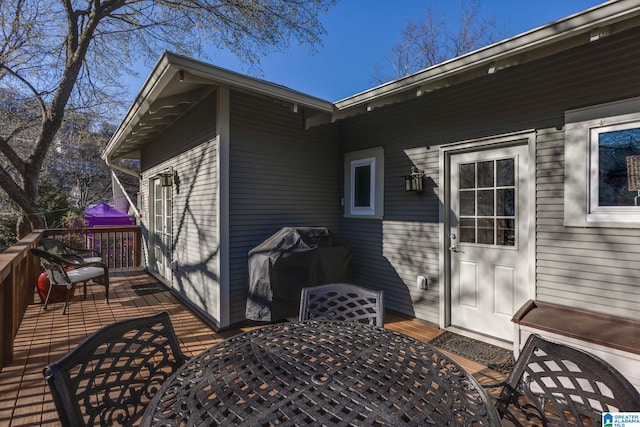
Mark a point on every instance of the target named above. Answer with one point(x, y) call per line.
point(131, 172)
point(126, 195)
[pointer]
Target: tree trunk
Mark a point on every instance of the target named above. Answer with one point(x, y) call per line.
point(31, 218)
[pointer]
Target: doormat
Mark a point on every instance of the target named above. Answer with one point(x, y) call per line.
point(492, 356)
point(149, 288)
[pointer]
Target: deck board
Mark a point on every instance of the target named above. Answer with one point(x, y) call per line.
point(45, 336)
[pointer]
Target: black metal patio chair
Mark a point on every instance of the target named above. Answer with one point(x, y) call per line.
point(555, 385)
point(110, 377)
point(342, 301)
point(65, 250)
point(65, 272)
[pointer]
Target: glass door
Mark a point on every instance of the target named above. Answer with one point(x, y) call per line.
point(162, 228)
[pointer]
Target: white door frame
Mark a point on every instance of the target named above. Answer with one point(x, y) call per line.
point(527, 137)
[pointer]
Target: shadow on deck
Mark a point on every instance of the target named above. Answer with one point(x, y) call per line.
point(45, 336)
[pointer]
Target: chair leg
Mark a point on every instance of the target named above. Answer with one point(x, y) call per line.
point(66, 299)
point(106, 286)
point(46, 300)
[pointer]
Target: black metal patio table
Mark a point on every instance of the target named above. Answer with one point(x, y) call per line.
point(321, 373)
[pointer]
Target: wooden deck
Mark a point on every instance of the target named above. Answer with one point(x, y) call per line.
point(45, 336)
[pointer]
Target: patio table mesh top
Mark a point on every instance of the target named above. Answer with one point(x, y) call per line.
point(321, 373)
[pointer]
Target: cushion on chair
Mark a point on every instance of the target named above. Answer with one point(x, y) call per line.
point(84, 273)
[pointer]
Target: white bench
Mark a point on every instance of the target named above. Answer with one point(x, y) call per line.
point(614, 339)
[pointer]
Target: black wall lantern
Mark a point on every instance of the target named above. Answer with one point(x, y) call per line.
point(413, 181)
point(166, 179)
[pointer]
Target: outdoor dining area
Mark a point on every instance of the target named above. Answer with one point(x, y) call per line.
point(129, 352)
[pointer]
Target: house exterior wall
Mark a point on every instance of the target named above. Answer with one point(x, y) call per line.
point(280, 175)
point(283, 175)
point(189, 147)
point(595, 268)
point(591, 268)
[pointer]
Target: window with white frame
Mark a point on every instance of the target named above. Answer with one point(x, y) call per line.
point(602, 165)
point(364, 183)
point(615, 168)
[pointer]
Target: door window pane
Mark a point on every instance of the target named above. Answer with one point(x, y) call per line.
point(486, 231)
point(485, 202)
point(467, 202)
point(467, 230)
point(467, 176)
point(506, 233)
point(485, 174)
point(505, 173)
point(505, 202)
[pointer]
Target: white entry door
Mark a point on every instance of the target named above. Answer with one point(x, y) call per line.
point(488, 239)
point(162, 228)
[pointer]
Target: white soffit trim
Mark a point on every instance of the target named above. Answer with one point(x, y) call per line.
point(573, 30)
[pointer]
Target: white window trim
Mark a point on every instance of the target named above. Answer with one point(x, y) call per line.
point(580, 181)
point(363, 210)
point(373, 157)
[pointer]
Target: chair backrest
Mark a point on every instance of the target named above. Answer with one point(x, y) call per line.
point(553, 384)
point(48, 244)
point(53, 265)
point(342, 301)
point(111, 376)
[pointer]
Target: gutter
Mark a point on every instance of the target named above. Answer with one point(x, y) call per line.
point(122, 169)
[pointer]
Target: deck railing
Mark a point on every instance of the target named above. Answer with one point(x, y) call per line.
point(120, 248)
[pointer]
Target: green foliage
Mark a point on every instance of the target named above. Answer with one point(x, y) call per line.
point(75, 223)
point(8, 232)
point(53, 203)
point(73, 219)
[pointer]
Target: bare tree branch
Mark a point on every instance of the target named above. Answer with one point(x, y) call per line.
point(428, 41)
point(68, 55)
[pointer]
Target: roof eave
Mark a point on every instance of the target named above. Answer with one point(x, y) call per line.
point(171, 64)
point(560, 34)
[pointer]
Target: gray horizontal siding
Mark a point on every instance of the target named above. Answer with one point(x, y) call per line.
point(530, 96)
point(280, 175)
point(189, 147)
point(193, 129)
point(591, 268)
point(195, 233)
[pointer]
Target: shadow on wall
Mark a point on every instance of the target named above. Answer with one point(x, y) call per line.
point(194, 249)
point(391, 254)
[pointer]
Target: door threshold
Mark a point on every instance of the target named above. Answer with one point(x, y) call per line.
point(508, 345)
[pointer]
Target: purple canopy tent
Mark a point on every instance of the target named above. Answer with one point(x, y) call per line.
point(103, 214)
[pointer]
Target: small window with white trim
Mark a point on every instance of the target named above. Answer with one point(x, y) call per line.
point(602, 165)
point(615, 168)
point(364, 183)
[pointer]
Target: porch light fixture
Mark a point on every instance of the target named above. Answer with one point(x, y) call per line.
point(413, 181)
point(166, 178)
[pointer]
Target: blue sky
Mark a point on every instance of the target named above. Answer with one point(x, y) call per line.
point(361, 32)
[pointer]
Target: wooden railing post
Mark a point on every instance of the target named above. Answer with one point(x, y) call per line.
point(18, 276)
